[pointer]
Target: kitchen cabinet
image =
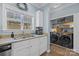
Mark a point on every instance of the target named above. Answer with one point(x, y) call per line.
point(13, 25)
point(15, 18)
point(27, 21)
point(43, 45)
point(21, 48)
point(31, 47)
point(35, 47)
point(21, 52)
point(39, 19)
point(11, 16)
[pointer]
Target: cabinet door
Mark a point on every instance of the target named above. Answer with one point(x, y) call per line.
point(13, 15)
point(35, 47)
point(21, 52)
point(13, 19)
point(43, 45)
point(39, 19)
point(21, 48)
point(27, 21)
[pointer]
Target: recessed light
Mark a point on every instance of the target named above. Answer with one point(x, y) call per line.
point(56, 6)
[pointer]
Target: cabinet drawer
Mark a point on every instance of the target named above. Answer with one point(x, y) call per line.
point(34, 41)
point(20, 44)
point(24, 51)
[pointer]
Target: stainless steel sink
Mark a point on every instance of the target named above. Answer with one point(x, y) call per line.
point(26, 36)
point(23, 37)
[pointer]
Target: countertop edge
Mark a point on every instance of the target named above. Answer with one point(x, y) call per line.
point(13, 40)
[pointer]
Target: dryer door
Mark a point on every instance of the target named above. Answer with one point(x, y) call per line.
point(64, 39)
point(53, 38)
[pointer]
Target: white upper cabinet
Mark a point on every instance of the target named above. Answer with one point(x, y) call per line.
point(14, 18)
point(13, 15)
point(27, 22)
point(39, 19)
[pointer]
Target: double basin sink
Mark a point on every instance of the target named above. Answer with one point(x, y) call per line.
point(26, 36)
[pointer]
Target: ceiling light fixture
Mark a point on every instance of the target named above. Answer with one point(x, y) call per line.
point(56, 6)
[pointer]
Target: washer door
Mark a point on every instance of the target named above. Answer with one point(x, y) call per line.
point(54, 38)
point(65, 40)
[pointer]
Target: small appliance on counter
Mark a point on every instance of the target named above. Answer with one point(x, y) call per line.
point(39, 30)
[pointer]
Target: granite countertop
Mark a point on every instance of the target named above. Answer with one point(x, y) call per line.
point(13, 40)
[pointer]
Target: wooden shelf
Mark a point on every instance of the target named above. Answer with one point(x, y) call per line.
point(27, 26)
point(13, 25)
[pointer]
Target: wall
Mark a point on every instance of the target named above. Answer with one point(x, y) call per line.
point(76, 32)
point(0, 16)
point(71, 10)
point(46, 24)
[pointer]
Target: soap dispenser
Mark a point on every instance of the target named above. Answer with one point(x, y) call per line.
point(12, 35)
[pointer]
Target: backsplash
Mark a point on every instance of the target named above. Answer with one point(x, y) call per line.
point(16, 31)
point(7, 33)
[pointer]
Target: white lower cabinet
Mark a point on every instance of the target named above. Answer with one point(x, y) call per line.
point(43, 45)
point(35, 47)
point(21, 52)
point(31, 47)
point(21, 48)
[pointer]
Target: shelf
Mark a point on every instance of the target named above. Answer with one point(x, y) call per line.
point(12, 19)
point(13, 25)
point(27, 26)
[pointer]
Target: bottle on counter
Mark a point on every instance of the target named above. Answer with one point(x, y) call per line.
point(12, 35)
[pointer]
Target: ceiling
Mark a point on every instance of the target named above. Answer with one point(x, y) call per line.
point(39, 5)
point(42, 5)
point(51, 5)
